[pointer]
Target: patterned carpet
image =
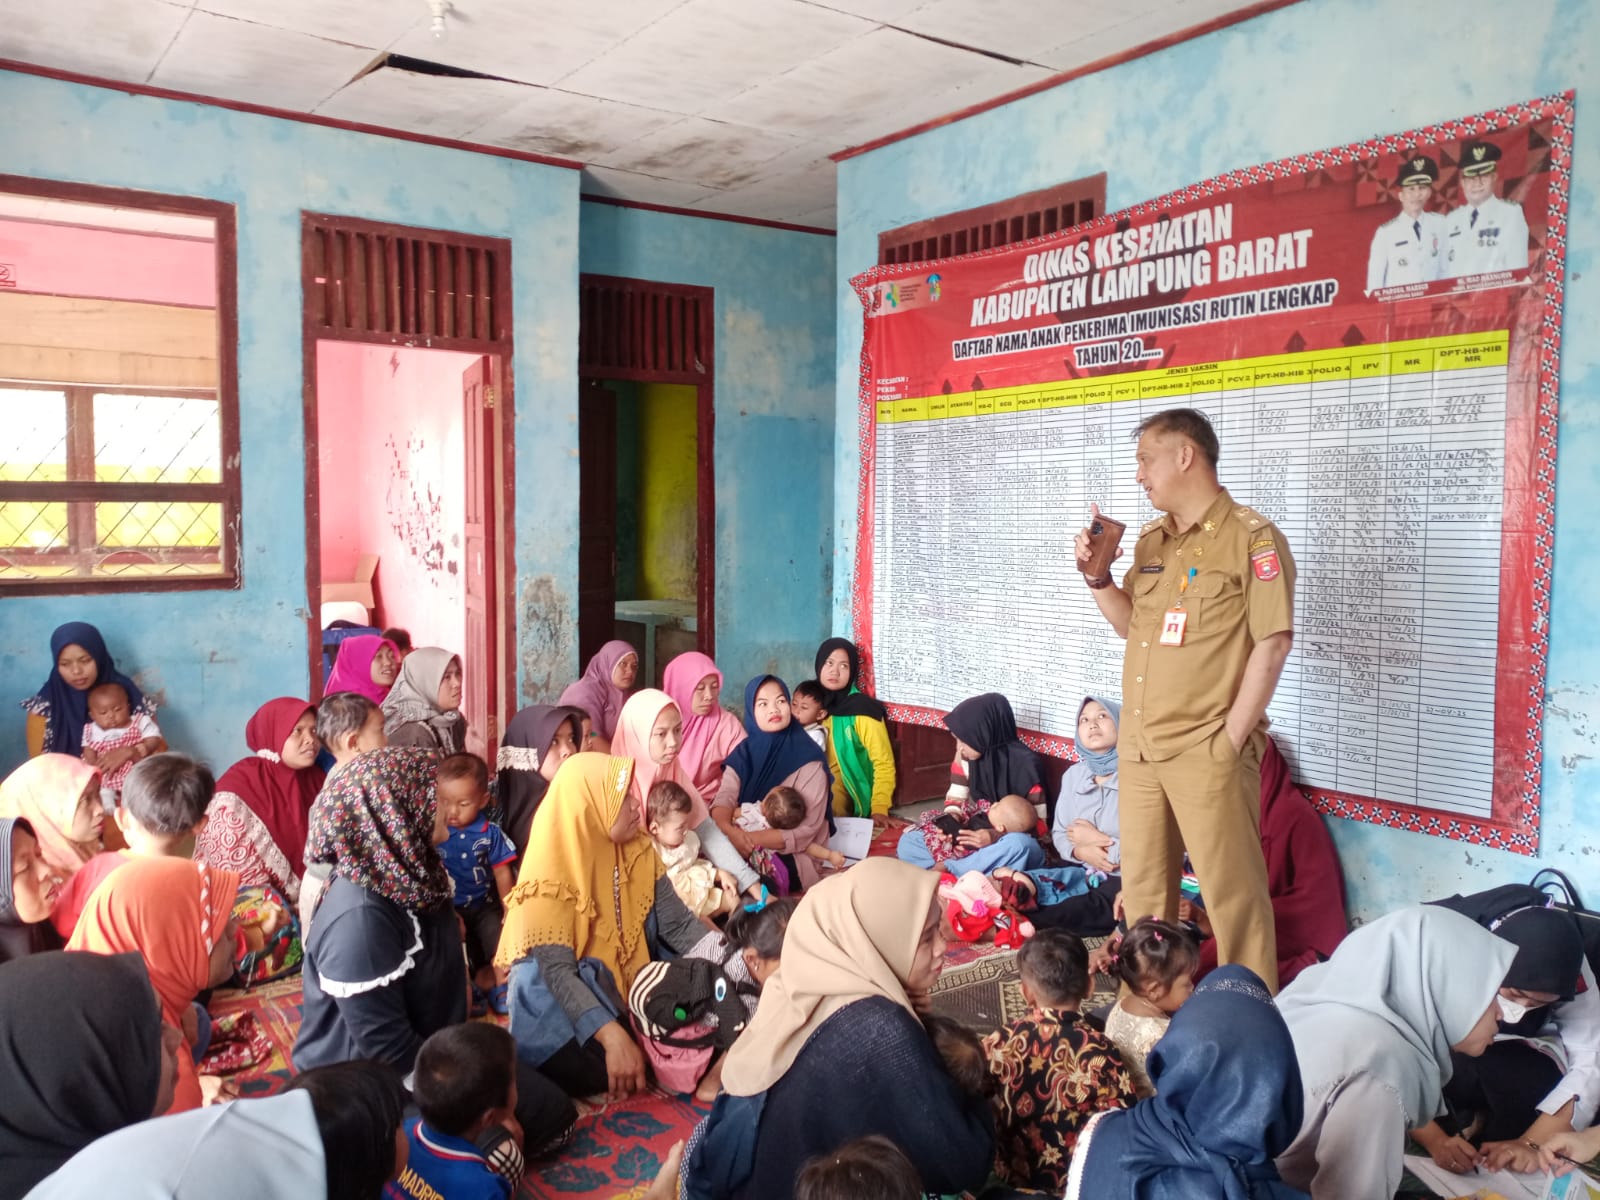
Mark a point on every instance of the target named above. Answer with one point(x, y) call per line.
point(985, 993)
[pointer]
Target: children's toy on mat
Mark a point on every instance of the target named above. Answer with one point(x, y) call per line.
point(974, 906)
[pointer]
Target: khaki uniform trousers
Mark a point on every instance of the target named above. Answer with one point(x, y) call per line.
point(1207, 799)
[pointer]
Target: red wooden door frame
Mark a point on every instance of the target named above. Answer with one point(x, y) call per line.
point(499, 350)
point(479, 530)
point(652, 342)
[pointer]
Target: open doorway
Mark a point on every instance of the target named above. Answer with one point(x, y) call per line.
point(646, 473)
point(408, 467)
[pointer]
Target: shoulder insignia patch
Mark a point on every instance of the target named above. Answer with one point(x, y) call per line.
point(1151, 526)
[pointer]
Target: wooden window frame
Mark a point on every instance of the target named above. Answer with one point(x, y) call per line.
point(226, 393)
point(1033, 214)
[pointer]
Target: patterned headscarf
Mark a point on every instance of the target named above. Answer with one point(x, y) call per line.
point(374, 823)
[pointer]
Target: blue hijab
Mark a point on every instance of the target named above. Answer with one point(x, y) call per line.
point(764, 760)
point(1101, 762)
point(1228, 1101)
point(68, 708)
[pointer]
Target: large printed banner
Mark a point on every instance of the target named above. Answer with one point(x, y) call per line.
point(1373, 331)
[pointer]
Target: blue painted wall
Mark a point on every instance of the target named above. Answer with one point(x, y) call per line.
point(1319, 73)
point(214, 656)
point(774, 419)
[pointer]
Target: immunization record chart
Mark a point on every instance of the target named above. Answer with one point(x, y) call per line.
point(1383, 465)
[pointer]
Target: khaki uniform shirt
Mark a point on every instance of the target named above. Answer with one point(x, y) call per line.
point(1241, 592)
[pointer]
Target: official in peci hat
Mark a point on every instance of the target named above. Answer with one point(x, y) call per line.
point(1409, 248)
point(1486, 233)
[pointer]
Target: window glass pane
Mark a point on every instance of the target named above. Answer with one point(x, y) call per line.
point(27, 525)
point(176, 524)
point(34, 448)
point(156, 439)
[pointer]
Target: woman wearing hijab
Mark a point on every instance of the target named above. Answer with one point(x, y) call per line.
point(423, 708)
point(331, 1135)
point(603, 690)
point(83, 1052)
point(1225, 1107)
point(1303, 876)
point(1087, 830)
point(991, 760)
point(366, 664)
point(592, 905)
point(59, 710)
point(836, 1050)
point(860, 757)
point(28, 892)
point(650, 731)
point(59, 797)
point(383, 965)
point(710, 732)
point(256, 823)
point(176, 914)
point(538, 740)
point(1541, 1076)
point(1374, 1028)
point(777, 753)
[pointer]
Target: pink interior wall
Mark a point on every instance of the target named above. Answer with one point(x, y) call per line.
point(65, 260)
point(392, 472)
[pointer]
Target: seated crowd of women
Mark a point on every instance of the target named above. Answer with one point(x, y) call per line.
point(359, 843)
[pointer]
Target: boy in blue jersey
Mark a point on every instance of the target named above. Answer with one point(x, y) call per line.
point(467, 1144)
point(478, 856)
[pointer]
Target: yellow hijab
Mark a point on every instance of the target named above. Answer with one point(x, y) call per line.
point(578, 888)
point(852, 937)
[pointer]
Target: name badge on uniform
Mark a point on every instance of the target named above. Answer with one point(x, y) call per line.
point(1172, 627)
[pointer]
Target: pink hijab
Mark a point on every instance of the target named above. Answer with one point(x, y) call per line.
point(707, 740)
point(596, 694)
point(632, 740)
point(352, 670)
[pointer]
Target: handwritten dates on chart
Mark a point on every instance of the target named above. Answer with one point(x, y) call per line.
point(1384, 466)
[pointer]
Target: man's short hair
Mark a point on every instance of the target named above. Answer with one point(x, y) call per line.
point(462, 1072)
point(1190, 423)
point(168, 793)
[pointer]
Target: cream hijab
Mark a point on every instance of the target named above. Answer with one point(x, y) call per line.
point(1397, 993)
point(853, 936)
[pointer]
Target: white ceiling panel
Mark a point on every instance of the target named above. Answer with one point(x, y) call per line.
point(892, 11)
point(647, 189)
point(567, 125)
point(780, 197)
point(533, 41)
point(373, 23)
point(714, 153)
point(237, 60)
point(1021, 28)
point(437, 104)
point(851, 90)
point(129, 36)
point(708, 50)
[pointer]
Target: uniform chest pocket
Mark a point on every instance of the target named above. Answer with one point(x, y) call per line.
point(1210, 598)
point(1148, 601)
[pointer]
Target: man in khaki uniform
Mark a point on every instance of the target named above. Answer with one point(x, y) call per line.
point(1207, 607)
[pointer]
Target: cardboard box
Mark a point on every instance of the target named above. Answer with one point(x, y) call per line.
point(358, 589)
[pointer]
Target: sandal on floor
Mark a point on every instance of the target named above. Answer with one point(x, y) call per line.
point(479, 1004)
point(498, 1001)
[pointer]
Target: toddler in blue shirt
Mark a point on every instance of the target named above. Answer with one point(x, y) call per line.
point(478, 856)
point(467, 1144)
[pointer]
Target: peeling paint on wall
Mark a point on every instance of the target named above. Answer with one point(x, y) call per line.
point(547, 645)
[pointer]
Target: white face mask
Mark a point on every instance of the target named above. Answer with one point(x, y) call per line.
point(1510, 1011)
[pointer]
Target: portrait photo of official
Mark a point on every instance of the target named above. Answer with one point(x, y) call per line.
point(1488, 232)
point(1410, 247)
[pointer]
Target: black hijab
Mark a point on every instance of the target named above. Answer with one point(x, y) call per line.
point(850, 700)
point(518, 783)
point(1548, 941)
point(1006, 767)
point(80, 1054)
